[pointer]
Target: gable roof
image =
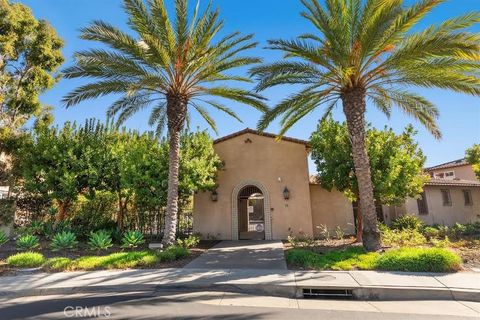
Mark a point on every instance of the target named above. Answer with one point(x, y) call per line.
point(263, 134)
point(450, 164)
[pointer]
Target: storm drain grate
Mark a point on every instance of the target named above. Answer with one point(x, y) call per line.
point(327, 294)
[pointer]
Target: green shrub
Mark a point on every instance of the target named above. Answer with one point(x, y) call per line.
point(64, 240)
point(407, 222)
point(94, 213)
point(419, 260)
point(472, 228)
point(119, 260)
point(347, 259)
point(400, 238)
point(430, 232)
point(458, 230)
point(26, 260)
point(27, 242)
point(441, 243)
point(3, 238)
point(189, 242)
point(100, 240)
point(132, 239)
point(57, 264)
point(35, 228)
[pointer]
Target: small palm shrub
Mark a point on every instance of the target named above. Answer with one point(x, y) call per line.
point(189, 242)
point(3, 238)
point(407, 222)
point(100, 240)
point(132, 239)
point(26, 260)
point(27, 242)
point(64, 240)
point(430, 232)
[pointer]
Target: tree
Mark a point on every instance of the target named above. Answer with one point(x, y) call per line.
point(396, 163)
point(30, 51)
point(171, 67)
point(473, 157)
point(367, 49)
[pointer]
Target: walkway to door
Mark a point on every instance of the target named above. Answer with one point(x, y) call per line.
point(248, 254)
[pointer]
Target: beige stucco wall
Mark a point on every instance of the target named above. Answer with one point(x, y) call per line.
point(447, 215)
point(331, 208)
point(271, 163)
point(461, 172)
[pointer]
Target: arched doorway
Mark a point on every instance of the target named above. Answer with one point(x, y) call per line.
point(251, 212)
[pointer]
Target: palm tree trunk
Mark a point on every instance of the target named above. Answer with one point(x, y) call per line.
point(176, 114)
point(354, 107)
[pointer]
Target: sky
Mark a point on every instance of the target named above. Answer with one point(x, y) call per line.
point(268, 19)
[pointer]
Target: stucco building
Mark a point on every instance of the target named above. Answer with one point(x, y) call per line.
point(265, 192)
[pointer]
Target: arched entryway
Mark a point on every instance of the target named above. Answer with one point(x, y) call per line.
point(251, 212)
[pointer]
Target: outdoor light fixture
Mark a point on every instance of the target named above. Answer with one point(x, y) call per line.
point(214, 195)
point(286, 193)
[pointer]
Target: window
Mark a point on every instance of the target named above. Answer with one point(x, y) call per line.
point(467, 195)
point(447, 200)
point(439, 175)
point(422, 204)
point(450, 175)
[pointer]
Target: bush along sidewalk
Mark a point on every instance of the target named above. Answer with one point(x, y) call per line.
point(118, 260)
point(402, 259)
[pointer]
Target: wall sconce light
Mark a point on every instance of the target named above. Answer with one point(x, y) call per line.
point(214, 195)
point(286, 193)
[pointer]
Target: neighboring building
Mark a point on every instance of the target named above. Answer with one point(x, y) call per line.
point(265, 192)
point(452, 195)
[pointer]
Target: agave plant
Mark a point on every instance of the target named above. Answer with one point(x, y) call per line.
point(27, 242)
point(132, 239)
point(63, 240)
point(3, 237)
point(100, 240)
point(366, 49)
point(171, 67)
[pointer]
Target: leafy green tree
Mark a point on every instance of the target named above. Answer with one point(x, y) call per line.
point(473, 157)
point(367, 49)
point(30, 51)
point(396, 163)
point(169, 66)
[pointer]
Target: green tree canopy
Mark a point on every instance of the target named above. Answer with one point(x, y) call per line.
point(63, 163)
point(30, 51)
point(396, 162)
point(473, 157)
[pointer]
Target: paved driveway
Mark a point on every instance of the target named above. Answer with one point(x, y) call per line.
point(247, 254)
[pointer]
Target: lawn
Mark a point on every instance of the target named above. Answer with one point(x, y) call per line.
point(355, 258)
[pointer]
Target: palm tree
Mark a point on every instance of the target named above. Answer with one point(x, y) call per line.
point(367, 49)
point(169, 67)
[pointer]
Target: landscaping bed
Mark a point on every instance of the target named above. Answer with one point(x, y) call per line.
point(43, 259)
point(407, 246)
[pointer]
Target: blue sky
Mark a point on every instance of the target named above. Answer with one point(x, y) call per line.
point(267, 19)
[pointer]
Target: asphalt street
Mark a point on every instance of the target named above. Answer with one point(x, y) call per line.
point(217, 305)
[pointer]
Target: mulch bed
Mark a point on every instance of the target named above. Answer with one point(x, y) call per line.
point(9, 249)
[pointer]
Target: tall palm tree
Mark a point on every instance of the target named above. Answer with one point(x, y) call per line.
point(168, 66)
point(366, 49)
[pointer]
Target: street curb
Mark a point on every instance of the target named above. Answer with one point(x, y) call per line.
point(359, 293)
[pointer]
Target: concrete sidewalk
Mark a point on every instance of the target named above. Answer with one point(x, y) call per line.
point(365, 285)
point(245, 254)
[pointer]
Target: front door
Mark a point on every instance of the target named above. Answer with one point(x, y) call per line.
point(251, 215)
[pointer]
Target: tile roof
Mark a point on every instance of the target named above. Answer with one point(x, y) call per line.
point(450, 164)
point(453, 182)
point(264, 134)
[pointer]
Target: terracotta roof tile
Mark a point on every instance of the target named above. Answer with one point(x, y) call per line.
point(451, 164)
point(453, 182)
point(264, 134)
